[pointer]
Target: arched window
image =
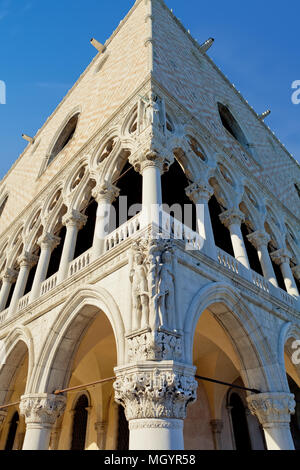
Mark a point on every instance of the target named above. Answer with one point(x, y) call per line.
point(64, 137)
point(12, 432)
point(2, 205)
point(239, 423)
point(231, 125)
point(175, 200)
point(80, 423)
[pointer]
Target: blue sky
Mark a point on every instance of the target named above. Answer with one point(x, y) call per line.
point(45, 47)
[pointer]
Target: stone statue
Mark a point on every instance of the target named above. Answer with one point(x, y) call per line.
point(165, 298)
point(140, 295)
point(153, 287)
point(151, 112)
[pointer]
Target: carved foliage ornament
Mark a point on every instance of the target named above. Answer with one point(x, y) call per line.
point(155, 394)
point(42, 409)
point(272, 408)
point(154, 346)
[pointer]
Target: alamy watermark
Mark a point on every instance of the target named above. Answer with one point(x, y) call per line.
point(296, 93)
point(2, 92)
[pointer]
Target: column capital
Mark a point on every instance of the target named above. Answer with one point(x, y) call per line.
point(27, 260)
point(105, 192)
point(74, 218)
point(296, 272)
point(47, 240)
point(42, 408)
point(158, 390)
point(231, 217)
point(199, 192)
point(272, 409)
point(280, 256)
point(259, 239)
point(10, 275)
point(143, 159)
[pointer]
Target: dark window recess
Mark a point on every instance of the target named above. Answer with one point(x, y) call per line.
point(123, 430)
point(231, 125)
point(80, 424)
point(221, 233)
point(30, 279)
point(86, 234)
point(56, 254)
point(239, 423)
point(12, 432)
point(130, 185)
point(3, 205)
point(64, 137)
point(251, 250)
point(11, 293)
point(277, 270)
point(174, 184)
point(295, 418)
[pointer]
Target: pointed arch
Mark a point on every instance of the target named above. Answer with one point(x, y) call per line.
point(229, 309)
point(53, 368)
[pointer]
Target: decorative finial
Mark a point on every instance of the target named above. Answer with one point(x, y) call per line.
point(263, 116)
point(207, 45)
point(29, 139)
point(97, 45)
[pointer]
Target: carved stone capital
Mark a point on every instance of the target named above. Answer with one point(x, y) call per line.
point(74, 218)
point(155, 390)
point(199, 192)
point(47, 240)
point(10, 275)
point(232, 217)
point(105, 192)
point(272, 409)
point(42, 408)
point(150, 158)
point(154, 346)
point(27, 260)
point(259, 239)
point(296, 272)
point(280, 256)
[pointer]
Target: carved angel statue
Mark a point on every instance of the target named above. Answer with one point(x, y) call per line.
point(152, 111)
point(140, 295)
point(165, 298)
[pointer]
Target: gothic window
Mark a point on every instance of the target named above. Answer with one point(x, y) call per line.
point(64, 138)
point(80, 423)
point(123, 430)
point(231, 125)
point(239, 423)
point(86, 234)
point(221, 233)
point(175, 200)
point(3, 204)
point(12, 432)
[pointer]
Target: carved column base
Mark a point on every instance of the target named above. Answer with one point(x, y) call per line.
point(159, 345)
point(155, 396)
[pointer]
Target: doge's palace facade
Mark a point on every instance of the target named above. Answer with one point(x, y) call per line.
point(152, 304)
